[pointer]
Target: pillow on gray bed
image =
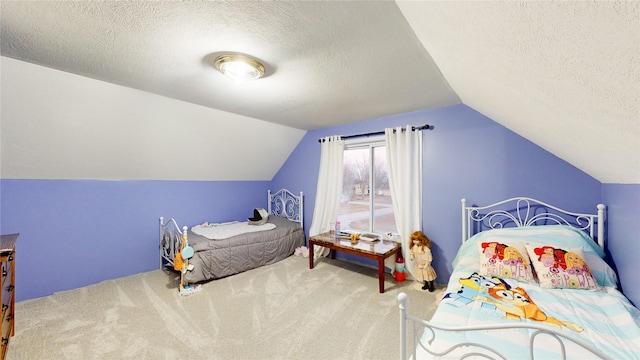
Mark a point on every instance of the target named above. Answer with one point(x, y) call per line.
point(260, 217)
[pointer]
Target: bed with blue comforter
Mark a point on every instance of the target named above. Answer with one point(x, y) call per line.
point(539, 292)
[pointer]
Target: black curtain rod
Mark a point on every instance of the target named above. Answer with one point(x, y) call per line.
point(413, 128)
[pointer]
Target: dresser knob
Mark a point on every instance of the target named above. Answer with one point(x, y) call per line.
point(4, 307)
point(5, 341)
point(10, 288)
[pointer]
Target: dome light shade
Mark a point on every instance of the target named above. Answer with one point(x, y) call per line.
point(239, 67)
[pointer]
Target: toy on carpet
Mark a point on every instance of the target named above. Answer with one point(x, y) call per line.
point(182, 259)
point(188, 290)
point(420, 246)
point(399, 273)
point(302, 251)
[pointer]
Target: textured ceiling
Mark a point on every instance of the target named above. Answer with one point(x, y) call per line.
point(565, 75)
point(327, 63)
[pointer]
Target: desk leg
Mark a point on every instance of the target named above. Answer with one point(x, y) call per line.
point(381, 274)
point(310, 255)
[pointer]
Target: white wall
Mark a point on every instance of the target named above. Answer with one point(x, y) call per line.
point(57, 125)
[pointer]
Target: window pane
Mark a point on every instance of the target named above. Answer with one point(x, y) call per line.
point(383, 219)
point(354, 211)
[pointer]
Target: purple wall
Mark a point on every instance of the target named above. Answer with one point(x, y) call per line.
point(465, 155)
point(623, 241)
point(76, 233)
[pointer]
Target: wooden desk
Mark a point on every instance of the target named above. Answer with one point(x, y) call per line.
point(378, 251)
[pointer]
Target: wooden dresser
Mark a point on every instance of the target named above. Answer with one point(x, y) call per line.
point(7, 284)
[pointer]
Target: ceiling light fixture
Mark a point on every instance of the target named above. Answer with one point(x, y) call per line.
point(239, 67)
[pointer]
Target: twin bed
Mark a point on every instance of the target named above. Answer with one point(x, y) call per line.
point(220, 253)
point(528, 282)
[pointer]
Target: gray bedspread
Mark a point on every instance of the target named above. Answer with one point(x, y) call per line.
point(214, 259)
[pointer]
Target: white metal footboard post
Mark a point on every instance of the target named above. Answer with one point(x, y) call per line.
point(301, 211)
point(403, 299)
point(160, 241)
point(601, 240)
point(185, 263)
point(464, 220)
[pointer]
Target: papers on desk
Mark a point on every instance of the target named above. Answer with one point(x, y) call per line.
point(380, 247)
point(369, 239)
point(363, 236)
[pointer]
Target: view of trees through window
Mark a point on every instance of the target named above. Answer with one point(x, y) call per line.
point(365, 204)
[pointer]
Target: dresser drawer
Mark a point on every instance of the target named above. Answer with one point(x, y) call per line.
point(7, 290)
point(7, 322)
point(6, 269)
point(7, 330)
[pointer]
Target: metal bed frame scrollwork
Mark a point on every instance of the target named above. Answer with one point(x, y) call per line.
point(524, 211)
point(528, 212)
point(284, 203)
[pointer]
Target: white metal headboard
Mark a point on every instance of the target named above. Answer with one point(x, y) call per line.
point(524, 211)
point(285, 204)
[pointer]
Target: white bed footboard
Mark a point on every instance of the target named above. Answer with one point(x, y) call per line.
point(472, 350)
point(170, 241)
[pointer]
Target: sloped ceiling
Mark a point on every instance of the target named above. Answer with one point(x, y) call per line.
point(564, 75)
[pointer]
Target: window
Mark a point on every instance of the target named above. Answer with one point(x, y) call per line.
point(365, 204)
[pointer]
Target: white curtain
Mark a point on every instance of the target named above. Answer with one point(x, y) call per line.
point(404, 161)
point(329, 189)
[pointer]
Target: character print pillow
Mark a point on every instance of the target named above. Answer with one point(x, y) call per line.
point(561, 268)
point(505, 259)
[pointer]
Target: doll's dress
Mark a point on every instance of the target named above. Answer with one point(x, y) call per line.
point(422, 256)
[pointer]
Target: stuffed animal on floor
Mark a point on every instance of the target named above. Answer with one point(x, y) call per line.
point(302, 251)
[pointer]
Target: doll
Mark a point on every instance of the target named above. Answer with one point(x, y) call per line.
point(421, 253)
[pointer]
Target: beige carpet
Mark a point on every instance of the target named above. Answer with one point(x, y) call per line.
point(280, 311)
